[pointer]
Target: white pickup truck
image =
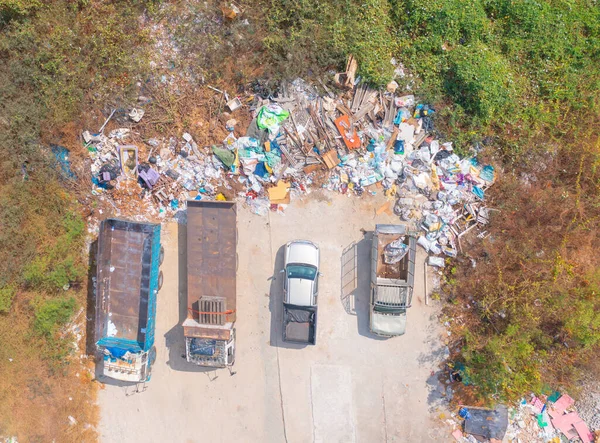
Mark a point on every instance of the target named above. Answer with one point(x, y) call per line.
point(391, 283)
point(300, 292)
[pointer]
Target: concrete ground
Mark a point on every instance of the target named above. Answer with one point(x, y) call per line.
point(350, 387)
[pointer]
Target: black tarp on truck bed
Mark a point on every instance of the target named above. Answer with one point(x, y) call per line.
point(299, 324)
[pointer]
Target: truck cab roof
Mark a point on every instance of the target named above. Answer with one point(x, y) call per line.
point(301, 273)
point(300, 292)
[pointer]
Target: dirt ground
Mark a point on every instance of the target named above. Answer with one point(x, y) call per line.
point(350, 387)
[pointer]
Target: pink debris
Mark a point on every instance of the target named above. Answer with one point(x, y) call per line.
point(537, 404)
point(583, 431)
point(561, 405)
point(571, 425)
point(458, 435)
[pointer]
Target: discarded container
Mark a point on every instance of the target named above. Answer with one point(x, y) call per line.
point(234, 104)
point(128, 155)
point(399, 147)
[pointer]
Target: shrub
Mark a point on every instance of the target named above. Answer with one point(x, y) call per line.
point(7, 294)
point(53, 313)
point(480, 80)
point(364, 30)
point(59, 264)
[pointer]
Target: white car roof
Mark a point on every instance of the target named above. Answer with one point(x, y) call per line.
point(303, 252)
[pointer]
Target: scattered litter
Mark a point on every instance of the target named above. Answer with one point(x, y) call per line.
point(543, 418)
point(436, 261)
point(234, 104)
point(395, 251)
point(136, 115)
point(360, 141)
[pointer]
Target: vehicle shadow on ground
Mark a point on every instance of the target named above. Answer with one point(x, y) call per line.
point(174, 339)
point(437, 384)
point(276, 305)
point(90, 312)
point(356, 283)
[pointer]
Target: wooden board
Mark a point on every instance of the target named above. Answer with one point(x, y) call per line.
point(331, 159)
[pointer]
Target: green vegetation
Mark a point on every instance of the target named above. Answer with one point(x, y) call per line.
point(6, 297)
point(60, 264)
point(536, 288)
point(523, 74)
point(520, 63)
point(53, 313)
point(52, 55)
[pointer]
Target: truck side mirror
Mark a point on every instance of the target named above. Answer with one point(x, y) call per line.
point(320, 274)
point(282, 271)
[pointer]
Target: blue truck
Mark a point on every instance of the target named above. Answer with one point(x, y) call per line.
point(127, 284)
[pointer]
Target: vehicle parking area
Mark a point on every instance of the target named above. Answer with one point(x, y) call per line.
point(351, 386)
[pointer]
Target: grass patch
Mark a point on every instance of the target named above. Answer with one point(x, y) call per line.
point(6, 297)
point(52, 314)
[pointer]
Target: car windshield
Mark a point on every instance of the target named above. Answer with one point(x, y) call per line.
point(301, 271)
point(388, 309)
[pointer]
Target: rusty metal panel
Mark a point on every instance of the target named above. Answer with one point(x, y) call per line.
point(200, 332)
point(211, 254)
point(123, 280)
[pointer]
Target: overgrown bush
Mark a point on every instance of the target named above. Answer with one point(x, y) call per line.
point(308, 34)
point(60, 264)
point(534, 296)
point(480, 80)
point(364, 29)
point(53, 313)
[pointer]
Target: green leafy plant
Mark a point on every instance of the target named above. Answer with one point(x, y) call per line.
point(53, 313)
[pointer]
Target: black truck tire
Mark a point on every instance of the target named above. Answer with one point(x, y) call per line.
point(160, 280)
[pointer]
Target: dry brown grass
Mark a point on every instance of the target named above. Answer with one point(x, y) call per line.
point(38, 397)
point(538, 267)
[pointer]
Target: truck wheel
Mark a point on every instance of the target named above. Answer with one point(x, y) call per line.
point(160, 280)
point(161, 256)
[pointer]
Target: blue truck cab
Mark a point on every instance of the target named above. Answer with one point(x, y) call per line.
point(127, 283)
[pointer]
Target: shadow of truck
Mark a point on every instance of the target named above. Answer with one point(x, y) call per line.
point(356, 283)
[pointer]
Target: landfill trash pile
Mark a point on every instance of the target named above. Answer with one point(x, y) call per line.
point(361, 140)
point(552, 418)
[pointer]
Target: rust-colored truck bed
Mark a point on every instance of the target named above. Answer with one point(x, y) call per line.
point(211, 266)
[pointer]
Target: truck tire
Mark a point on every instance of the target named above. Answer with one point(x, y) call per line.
point(160, 280)
point(161, 256)
point(152, 355)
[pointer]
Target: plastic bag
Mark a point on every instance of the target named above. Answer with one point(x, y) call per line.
point(225, 155)
point(259, 206)
point(395, 251)
point(269, 117)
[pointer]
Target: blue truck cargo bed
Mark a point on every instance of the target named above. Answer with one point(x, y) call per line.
point(127, 284)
